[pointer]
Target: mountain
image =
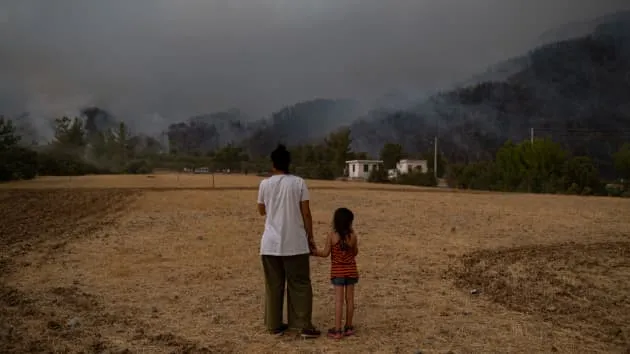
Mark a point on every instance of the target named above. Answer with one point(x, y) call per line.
point(574, 90)
point(303, 122)
point(576, 85)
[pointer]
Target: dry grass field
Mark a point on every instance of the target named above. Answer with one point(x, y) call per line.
point(167, 264)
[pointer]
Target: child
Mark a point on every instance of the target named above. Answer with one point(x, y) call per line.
point(342, 245)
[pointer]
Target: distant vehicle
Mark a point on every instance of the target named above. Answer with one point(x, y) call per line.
point(202, 170)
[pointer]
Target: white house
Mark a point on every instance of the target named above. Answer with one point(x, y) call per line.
point(360, 169)
point(406, 166)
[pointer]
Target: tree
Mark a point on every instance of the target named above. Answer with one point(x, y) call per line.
point(229, 157)
point(580, 176)
point(121, 143)
point(8, 137)
point(338, 146)
point(622, 162)
point(544, 161)
point(70, 136)
point(391, 154)
point(15, 162)
point(510, 167)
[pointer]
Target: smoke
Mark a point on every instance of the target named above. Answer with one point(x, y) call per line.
point(154, 62)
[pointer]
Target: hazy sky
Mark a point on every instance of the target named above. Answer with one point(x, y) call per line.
point(176, 58)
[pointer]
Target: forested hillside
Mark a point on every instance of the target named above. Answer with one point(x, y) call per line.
point(575, 91)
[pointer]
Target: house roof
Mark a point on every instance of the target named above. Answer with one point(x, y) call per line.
point(364, 161)
point(412, 161)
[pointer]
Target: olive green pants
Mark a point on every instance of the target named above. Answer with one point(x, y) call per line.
point(295, 271)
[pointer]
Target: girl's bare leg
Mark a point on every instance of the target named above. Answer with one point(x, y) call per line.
point(349, 304)
point(338, 306)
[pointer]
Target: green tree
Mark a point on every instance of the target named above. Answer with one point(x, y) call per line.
point(510, 167)
point(230, 157)
point(8, 136)
point(544, 161)
point(391, 154)
point(16, 162)
point(622, 162)
point(122, 147)
point(70, 136)
point(338, 146)
point(98, 144)
point(580, 176)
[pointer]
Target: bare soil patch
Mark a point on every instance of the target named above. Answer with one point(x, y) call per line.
point(61, 319)
point(583, 287)
point(53, 217)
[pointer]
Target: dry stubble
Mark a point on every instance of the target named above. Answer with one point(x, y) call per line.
point(180, 270)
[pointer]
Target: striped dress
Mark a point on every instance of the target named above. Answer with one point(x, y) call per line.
point(343, 264)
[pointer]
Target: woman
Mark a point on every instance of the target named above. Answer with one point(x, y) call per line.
point(285, 248)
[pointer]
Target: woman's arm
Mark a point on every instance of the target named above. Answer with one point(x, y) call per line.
point(326, 251)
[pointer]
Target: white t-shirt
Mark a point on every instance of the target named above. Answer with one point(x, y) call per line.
point(284, 233)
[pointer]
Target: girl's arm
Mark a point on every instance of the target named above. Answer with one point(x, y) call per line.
point(326, 251)
point(355, 244)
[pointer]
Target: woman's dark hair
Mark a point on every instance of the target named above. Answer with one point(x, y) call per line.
point(281, 158)
point(342, 224)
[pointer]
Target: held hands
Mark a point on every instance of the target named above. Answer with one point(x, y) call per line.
point(312, 247)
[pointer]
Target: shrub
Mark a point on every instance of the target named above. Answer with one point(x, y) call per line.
point(417, 178)
point(18, 163)
point(573, 189)
point(614, 190)
point(64, 164)
point(378, 175)
point(140, 167)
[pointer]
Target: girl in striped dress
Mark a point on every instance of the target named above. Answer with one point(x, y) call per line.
point(342, 246)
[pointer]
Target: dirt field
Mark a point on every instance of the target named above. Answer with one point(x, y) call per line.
point(162, 264)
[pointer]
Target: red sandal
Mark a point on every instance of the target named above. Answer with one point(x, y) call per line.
point(348, 331)
point(335, 333)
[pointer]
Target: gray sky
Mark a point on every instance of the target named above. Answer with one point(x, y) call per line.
point(172, 58)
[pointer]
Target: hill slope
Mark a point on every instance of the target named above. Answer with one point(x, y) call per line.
point(581, 83)
point(303, 122)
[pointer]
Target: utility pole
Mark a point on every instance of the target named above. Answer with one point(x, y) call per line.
point(531, 135)
point(435, 155)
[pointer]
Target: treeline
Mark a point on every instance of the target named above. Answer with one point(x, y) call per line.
point(541, 166)
point(75, 150)
point(64, 156)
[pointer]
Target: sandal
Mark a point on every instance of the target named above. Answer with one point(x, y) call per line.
point(348, 331)
point(335, 333)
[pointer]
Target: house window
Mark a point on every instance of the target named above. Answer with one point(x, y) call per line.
point(366, 168)
point(353, 166)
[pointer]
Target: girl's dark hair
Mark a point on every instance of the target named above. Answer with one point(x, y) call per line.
point(342, 224)
point(281, 158)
